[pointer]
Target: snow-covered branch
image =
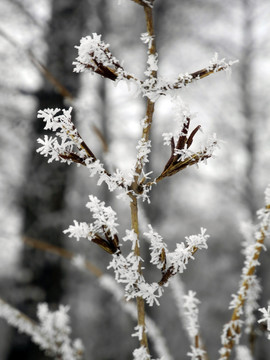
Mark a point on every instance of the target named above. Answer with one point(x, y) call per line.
point(104, 224)
point(232, 330)
point(61, 147)
point(51, 334)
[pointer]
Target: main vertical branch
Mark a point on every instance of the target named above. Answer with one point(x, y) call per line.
point(152, 51)
point(134, 204)
point(140, 300)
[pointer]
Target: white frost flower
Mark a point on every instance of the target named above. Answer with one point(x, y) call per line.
point(179, 258)
point(105, 221)
point(150, 292)
point(143, 150)
point(126, 272)
point(47, 147)
point(167, 138)
point(48, 116)
point(78, 230)
point(191, 312)
point(139, 332)
point(265, 317)
point(91, 51)
point(147, 39)
point(196, 353)
point(141, 354)
point(131, 236)
point(105, 216)
point(158, 248)
point(216, 64)
point(60, 147)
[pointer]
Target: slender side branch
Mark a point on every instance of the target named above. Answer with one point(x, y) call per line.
point(166, 275)
point(232, 330)
point(41, 67)
point(17, 318)
point(50, 335)
point(44, 246)
point(144, 3)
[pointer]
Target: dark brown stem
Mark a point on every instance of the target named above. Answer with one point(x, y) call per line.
point(142, 3)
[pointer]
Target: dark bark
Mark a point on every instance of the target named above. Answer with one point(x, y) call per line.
point(43, 193)
point(247, 100)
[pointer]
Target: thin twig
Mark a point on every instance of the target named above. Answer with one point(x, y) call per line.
point(61, 89)
point(44, 246)
point(143, 3)
point(101, 137)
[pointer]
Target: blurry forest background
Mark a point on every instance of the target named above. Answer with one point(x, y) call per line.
point(39, 200)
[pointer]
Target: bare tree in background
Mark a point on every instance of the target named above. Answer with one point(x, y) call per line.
point(44, 189)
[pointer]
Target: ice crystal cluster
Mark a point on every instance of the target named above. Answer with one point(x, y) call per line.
point(66, 134)
point(105, 221)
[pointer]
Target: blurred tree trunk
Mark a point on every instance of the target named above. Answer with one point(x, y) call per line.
point(247, 100)
point(43, 193)
point(250, 111)
point(104, 28)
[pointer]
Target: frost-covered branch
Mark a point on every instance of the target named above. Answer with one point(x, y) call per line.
point(61, 147)
point(214, 66)
point(176, 261)
point(254, 291)
point(182, 155)
point(145, 291)
point(191, 313)
point(68, 146)
point(232, 330)
point(153, 331)
point(95, 57)
point(188, 313)
point(51, 334)
point(170, 263)
point(105, 224)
